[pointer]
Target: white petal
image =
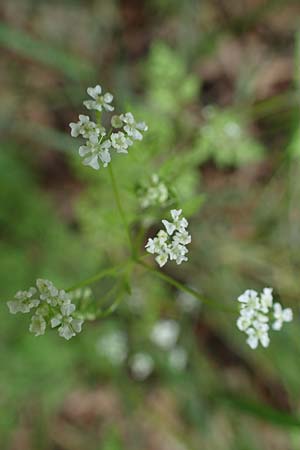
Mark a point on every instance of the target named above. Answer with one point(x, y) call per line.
point(92, 161)
point(170, 227)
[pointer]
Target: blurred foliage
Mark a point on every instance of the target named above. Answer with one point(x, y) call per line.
point(225, 141)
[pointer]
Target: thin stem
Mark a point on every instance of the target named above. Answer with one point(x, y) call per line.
point(104, 273)
point(120, 208)
point(185, 288)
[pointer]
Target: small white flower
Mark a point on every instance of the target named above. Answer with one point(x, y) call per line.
point(281, 315)
point(165, 334)
point(141, 365)
point(24, 301)
point(99, 101)
point(162, 259)
point(95, 153)
point(120, 142)
point(258, 335)
point(86, 128)
point(250, 298)
point(69, 327)
point(133, 128)
point(116, 122)
point(177, 252)
point(37, 325)
point(243, 323)
point(48, 292)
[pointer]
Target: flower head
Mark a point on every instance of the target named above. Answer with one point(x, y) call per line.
point(255, 311)
point(168, 245)
point(52, 307)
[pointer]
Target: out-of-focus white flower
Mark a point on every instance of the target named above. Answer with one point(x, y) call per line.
point(165, 334)
point(177, 358)
point(120, 142)
point(113, 346)
point(141, 365)
point(94, 154)
point(52, 306)
point(99, 101)
point(133, 128)
point(281, 315)
point(155, 194)
point(254, 316)
point(167, 246)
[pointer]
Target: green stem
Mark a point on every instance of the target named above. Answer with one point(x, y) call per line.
point(104, 273)
point(185, 288)
point(120, 208)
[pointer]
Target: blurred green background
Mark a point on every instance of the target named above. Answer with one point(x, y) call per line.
point(218, 84)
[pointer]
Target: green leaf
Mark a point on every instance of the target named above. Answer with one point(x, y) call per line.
point(22, 43)
point(261, 411)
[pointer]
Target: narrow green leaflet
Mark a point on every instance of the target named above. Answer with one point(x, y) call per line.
point(22, 43)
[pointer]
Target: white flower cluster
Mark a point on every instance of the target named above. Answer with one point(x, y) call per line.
point(99, 143)
point(52, 307)
point(155, 194)
point(255, 312)
point(172, 242)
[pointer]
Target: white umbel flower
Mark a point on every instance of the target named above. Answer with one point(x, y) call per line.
point(52, 307)
point(133, 128)
point(96, 150)
point(255, 312)
point(99, 101)
point(168, 245)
